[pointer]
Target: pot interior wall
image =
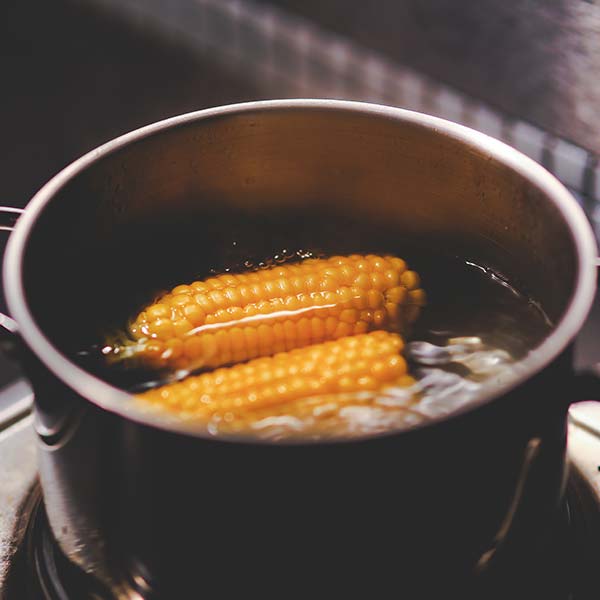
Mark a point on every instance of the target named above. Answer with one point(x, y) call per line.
point(271, 177)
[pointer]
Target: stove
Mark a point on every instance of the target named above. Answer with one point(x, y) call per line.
point(563, 566)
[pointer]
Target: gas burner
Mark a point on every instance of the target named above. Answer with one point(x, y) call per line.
point(561, 567)
point(40, 570)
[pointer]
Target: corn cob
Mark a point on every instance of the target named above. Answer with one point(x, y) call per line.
point(236, 317)
point(304, 380)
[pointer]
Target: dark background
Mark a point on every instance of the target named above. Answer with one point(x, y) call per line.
point(72, 77)
point(535, 59)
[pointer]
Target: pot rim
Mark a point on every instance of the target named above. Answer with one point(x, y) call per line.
point(124, 404)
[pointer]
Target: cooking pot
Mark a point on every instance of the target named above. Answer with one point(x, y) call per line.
point(153, 508)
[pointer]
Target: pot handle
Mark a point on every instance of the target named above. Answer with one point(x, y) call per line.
point(8, 219)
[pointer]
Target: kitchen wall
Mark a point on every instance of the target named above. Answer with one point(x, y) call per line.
point(73, 77)
point(537, 59)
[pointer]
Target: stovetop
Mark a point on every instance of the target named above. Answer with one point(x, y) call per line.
point(563, 567)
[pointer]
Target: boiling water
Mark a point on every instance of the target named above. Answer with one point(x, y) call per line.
point(474, 329)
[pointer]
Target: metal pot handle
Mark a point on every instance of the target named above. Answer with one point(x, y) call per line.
point(8, 219)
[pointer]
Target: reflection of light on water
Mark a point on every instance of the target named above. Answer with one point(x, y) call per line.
point(285, 421)
point(469, 352)
point(442, 391)
point(495, 277)
point(439, 390)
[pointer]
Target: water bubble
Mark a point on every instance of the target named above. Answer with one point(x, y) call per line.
point(486, 362)
point(427, 354)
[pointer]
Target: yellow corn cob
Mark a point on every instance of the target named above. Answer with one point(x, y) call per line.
point(236, 317)
point(291, 383)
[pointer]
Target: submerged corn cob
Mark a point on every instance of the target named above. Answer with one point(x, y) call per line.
point(291, 383)
point(236, 317)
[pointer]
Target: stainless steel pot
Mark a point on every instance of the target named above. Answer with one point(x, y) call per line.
point(155, 509)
